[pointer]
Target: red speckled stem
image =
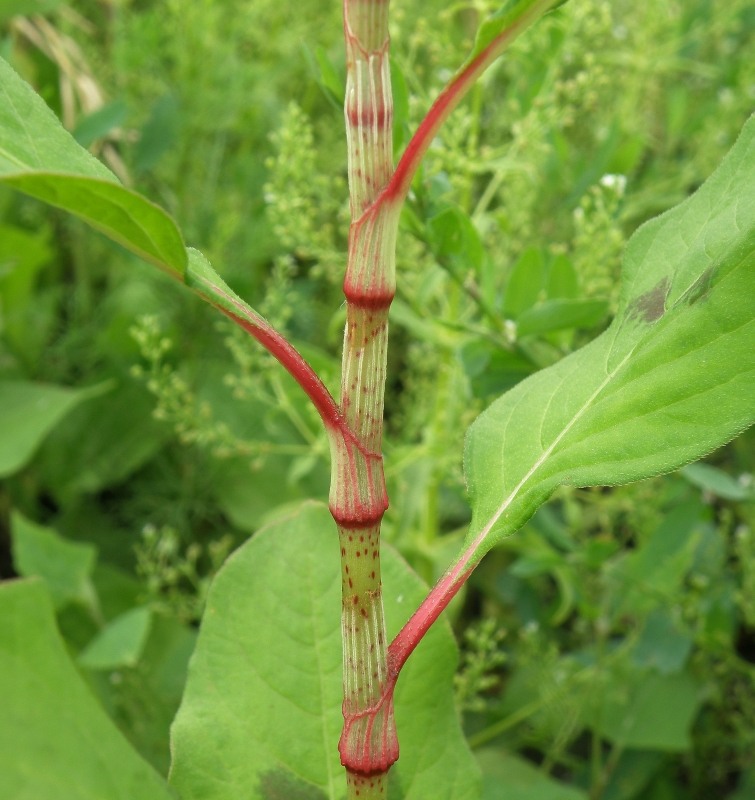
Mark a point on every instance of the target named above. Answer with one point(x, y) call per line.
point(358, 499)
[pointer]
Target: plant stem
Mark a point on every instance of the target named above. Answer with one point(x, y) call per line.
point(358, 499)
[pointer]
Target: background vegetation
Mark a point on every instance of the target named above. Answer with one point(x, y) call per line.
point(609, 647)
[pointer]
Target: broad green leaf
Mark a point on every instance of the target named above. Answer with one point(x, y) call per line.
point(65, 566)
point(102, 442)
point(556, 315)
point(562, 282)
point(40, 158)
point(120, 643)
point(671, 379)
point(645, 710)
point(159, 134)
point(100, 122)
point(491, 369)
point(509, 777)
point(27, 314)
point(662, 645)
point(455, 241)
point(55, 740)
point(262, 709)
point(28, 412)
point(647, 577)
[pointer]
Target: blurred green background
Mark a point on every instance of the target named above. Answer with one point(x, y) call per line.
point(608, 649)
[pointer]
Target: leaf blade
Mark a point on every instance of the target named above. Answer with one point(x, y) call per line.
point(50, 718)
point(670, 380)
point(40, 158)
point(262, 708)
point(28, 412)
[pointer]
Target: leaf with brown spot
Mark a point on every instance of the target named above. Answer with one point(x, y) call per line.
point(671, 379)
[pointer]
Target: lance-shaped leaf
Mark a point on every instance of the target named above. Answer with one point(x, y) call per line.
point(40, 158)
point(510, 15)
point(671, 379)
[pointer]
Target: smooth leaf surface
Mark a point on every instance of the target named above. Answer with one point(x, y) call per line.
point(261, 714)
point(716, 481)
point(65, 566)
point(101, 442)
point(121, 642)
point(648, 711)
point(55, 740)
point(510, 15)
point(40, 158)
point(555, 315)
point(509, 777)
point(28, 412)
point(671, 379)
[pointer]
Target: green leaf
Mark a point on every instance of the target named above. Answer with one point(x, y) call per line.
point(40, 158)
point(525, 283)
point(262, 707)
point(28, 412)
point(102, 442)
point(327, 76)
point(662, 645)
point(644, 710)
point(512, 15)
point(121, 642)
point(159, 134)
point(100, 122)
point(12, 8)
point(55, 740)
point(455, 241)
point(671, 379)
point(716, 481)
point(508, 776)
point(556, 315)
point(27, 312)
point(649, 576)
point(65, 566)
point(492, 370)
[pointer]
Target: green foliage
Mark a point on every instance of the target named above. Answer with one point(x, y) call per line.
point(29, 412)
point(85, 756)
point(282, 632)
point(65, 566)
point(58, 171)
point(678, 350)
point(602, 116)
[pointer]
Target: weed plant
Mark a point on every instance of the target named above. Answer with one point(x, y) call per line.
point(608, 649)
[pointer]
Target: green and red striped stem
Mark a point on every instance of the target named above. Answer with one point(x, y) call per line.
point(368, 744)
point(358, 497)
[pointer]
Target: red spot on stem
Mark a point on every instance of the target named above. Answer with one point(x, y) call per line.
point(380, 116)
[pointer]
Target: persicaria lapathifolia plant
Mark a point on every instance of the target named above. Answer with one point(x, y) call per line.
point(671, 379)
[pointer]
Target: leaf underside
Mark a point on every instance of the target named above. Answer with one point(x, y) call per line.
point(670, 380)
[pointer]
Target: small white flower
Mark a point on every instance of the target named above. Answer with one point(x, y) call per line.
point(616, 182)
